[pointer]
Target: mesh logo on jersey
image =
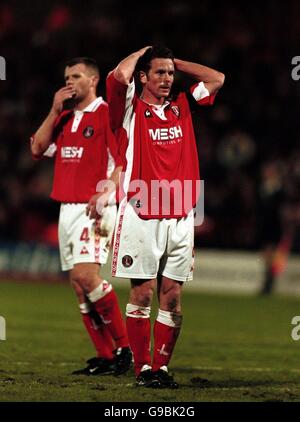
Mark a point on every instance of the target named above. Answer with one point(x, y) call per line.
point(127, 261)
point(88, 132)
point(71, 152)
point(165, 134)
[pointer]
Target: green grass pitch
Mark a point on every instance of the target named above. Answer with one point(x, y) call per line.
point(231, 348)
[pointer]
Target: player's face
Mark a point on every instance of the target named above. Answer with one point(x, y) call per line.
point(157, 83)
point(81, 79)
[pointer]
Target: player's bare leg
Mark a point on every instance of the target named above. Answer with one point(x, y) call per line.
point(104, 303)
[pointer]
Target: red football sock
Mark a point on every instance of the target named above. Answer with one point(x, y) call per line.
point(139, 333)
point(109, 311)
point(165, 337)
point(99, 335)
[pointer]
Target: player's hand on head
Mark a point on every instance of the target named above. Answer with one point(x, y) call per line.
point(176, 62)
point(63, 94)
point(143, 50)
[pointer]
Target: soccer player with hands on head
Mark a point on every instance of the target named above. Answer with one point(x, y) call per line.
point(153, 244)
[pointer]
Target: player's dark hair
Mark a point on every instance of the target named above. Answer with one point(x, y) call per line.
point(89, 62)
point(155, 52)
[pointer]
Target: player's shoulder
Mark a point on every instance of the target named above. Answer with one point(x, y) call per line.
point(103, 105)
point(178, 96)
point(101, 109)
point(64, 113)
point(63, 117)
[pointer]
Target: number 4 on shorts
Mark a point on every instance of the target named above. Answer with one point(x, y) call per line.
point(85, 235)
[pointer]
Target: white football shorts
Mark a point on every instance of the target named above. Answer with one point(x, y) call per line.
point(79, 237)
point(145, 248)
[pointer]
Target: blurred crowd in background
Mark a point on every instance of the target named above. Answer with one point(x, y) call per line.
point(249, 142)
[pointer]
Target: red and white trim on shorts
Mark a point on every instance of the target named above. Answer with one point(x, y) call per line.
point(97, 243)
point(117, 241)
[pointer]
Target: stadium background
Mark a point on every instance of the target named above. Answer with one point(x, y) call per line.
point(253, 127)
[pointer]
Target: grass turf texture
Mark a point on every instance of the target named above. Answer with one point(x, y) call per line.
point(231, 348)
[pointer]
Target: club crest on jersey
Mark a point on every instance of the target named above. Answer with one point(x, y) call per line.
point(127, 261)
point(148, 113)
point(88, 132)
point(176, 110)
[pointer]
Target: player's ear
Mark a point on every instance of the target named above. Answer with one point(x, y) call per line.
point(94, 80)
point(143, 77)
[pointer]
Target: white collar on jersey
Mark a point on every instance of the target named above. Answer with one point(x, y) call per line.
point(159, 109)
point(157, 106)
point(92, 106)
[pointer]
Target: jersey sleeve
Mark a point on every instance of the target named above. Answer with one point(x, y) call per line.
point(114, 159)
point(201, 95)
point(49, 153)
point(58, 126)
point(120, 98)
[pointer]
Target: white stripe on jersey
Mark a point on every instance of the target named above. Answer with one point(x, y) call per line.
point(129, 155)
point(111, 164)
point(200, 92)
point(128, 125)
point(128, 106)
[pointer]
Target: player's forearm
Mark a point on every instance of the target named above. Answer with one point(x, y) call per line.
point(212, 79)
point(125, 69)
point(110, 185)
point(105, 190)
point(43, 136)
point(115, 179)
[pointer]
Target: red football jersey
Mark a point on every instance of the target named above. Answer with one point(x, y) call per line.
point(162, 169)
point(85, 153)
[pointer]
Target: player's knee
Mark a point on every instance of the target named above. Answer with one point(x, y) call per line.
point(142, 295)
point(75, 286)
point(145, 300)
point(142, 292)
point(173, 304)
point(84, 279)
point(78, 291)
point(170, 299)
